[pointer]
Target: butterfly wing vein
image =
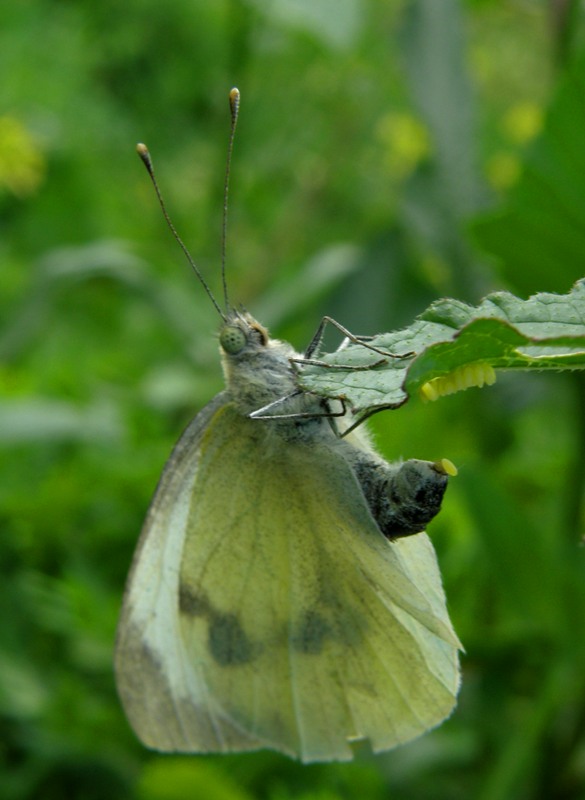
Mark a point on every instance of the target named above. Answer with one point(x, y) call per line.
point(294, 624)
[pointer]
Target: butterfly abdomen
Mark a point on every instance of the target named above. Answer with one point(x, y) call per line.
point(402, 497)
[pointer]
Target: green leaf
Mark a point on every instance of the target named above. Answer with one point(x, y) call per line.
point(539, 234)
point(454, 345)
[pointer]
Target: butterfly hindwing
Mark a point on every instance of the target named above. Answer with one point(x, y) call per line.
point(266, 609)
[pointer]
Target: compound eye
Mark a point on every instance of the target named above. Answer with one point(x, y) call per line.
point(232, 339)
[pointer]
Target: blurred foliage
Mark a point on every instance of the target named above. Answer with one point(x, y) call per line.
point(373, 138)
point(539, 234)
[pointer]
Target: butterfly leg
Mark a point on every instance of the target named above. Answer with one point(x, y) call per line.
point(363, 340)
point(266, 411)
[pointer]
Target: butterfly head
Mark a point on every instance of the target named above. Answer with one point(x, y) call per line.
point(242, 332)
point(256, 367)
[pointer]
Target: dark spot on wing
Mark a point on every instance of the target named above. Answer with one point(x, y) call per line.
point(310, 633)
point(191, 603)
point(228, 642)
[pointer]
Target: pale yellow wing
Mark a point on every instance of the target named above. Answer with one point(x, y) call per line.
point(165, 699)
point(265, 608)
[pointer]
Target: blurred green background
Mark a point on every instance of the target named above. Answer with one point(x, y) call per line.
point(387, 153)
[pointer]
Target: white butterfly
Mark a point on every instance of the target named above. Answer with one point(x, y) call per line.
point(282, 594)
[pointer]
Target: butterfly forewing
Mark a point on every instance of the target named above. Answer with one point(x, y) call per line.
point(165, 700)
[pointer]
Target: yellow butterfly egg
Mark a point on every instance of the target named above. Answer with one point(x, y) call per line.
point(478, 374)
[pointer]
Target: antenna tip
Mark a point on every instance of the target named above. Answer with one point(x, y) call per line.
point(142, 151)
point(234, 102)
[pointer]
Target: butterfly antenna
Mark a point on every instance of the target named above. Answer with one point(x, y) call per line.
point(144, 154)
point(234, 98)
